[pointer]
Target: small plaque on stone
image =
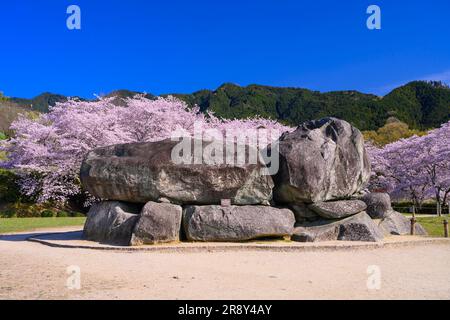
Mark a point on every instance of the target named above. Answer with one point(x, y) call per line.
point(225, 202)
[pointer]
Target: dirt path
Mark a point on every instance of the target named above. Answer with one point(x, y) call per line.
point(34, 271)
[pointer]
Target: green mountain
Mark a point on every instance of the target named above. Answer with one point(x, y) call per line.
point(40, 103)
point(289, 105)
point(420, 104)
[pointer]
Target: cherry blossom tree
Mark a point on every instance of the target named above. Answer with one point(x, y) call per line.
point(393, 172)
point(416, 168)
point(47, 151)
point(436, 160)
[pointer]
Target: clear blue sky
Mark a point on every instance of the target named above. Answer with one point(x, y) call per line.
point(183, 46)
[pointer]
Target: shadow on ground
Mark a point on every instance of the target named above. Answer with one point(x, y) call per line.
point(60, 236)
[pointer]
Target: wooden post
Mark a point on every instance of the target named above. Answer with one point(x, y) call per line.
point(446, 228)
point(413, 226)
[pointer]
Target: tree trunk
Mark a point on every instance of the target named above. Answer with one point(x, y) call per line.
point(438, 209)
point(444, 200)
point(438, 201)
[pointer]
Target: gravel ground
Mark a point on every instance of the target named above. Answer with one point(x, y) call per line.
point(34, 271)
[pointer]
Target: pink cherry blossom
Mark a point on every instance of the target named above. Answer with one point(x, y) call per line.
point(47, 152)
point(417, 168)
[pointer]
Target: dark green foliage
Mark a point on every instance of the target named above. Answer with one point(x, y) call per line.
point(420, 104)
point(9, 190)
point(426, 208)
point(66, 214)
point(48, 213)
point(34, 210)
point(40, 103)
point(14, 204)
point(289, 105)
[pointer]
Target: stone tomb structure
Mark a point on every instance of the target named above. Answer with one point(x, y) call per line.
point(317, 194)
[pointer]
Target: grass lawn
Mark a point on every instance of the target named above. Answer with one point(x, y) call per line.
point(30, 224)
point(433, 225)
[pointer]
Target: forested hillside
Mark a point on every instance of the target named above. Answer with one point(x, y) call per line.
point(419, 104)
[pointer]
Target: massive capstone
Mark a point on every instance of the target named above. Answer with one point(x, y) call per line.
point(142, 172)
point(321, 160)
point(323, 170)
